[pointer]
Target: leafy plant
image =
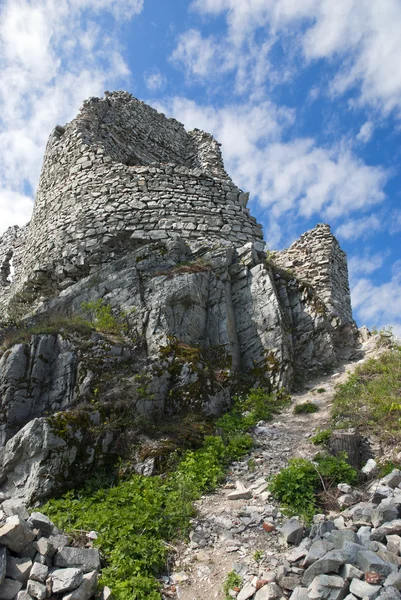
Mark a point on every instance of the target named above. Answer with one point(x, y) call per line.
point(321, 390)
point(299, 485)
point(321, 437)
point(258, 555)
point(306, 407)
point(136, 517)
point(233, 580)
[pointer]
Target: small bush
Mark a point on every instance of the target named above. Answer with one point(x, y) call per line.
point(299, 485)
point(322, 437)
point(320, 390)
point(305, 407)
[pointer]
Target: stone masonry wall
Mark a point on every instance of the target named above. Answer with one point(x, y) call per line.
point(12, 243)
point(317, 259)
point(122, 174)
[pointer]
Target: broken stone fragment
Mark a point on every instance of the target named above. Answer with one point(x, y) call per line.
point(241, 492)
point(317, 551)
point(330, 587)
point(15, 507)
point(292, 531)
point(40, 521)
point(39, 572)
point(390, 528)
point(19, 568)
point(368, 561)
point(36, 589)
point(86, 590)
point(369, 467)
point(330, 563)
point(247, 592)
point(87, 559)
point(9, 589)
point(300, 593)
point(3, 564)
point(362, 589)
point(44, 547)
point(271, 591)
point(393, 479)
point(16, 534)
point(65, 580)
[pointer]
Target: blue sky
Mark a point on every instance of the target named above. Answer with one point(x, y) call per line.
point(304, 96)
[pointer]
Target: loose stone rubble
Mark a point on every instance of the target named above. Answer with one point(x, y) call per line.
point(36, 560)
point(354, 553)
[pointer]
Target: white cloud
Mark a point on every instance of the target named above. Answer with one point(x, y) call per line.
point(296, 176)
point(52, 57)
point(353, 229)
point(366, 264)
point(378, 304)
point(15, 208)
point(362, 36)
point(365, 132)
point(207, 58)
point(395, 222)
point(155, 80)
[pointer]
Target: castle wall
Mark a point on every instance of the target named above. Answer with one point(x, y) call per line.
point(12, 245)
point(317, 259)
point(122, 174)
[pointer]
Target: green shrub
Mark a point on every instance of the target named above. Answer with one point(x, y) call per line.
point(298, 486)
point(136, 517)
point(321, 437)
point(306, 407)
point(320, 390)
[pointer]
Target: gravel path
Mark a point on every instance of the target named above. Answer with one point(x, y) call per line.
point(234, 532)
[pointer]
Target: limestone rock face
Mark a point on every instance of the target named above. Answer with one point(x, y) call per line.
point(137, 214)
point(35, 378)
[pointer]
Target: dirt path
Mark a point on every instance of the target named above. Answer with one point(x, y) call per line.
point(231, 534)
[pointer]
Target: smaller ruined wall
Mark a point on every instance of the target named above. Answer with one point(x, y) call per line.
point(317, 259)
point(12, 244)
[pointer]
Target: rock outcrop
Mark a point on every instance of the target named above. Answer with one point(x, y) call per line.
point(138, 216)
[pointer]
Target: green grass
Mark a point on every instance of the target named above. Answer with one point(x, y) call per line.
point(371, 398)
point(136, 517)
point(233, 580)
point(305, 407)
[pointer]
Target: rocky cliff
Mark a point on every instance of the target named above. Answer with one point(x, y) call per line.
point(140, 293)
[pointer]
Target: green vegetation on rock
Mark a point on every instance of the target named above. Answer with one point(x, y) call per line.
point(371, 398)
point(136, 517)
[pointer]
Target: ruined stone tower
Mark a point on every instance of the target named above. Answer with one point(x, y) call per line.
point(120, 175)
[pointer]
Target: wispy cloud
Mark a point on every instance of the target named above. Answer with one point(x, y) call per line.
point(362, 36)
point(46, 74)
point(367, 263)
point(365, 132)
point(296, 176)
point(378, 304)
point(155, 81)
point(353, 229)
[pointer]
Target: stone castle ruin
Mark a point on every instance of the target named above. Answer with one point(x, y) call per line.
point(135, 212)
point(120, 175)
